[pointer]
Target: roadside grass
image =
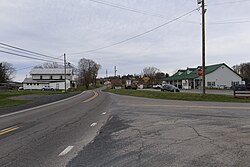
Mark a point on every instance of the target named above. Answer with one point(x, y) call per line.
point(6, 101)
point(83, 88)
point(178, 96)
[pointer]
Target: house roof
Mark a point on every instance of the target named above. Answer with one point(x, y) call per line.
point(50, 71)
point(192, 73)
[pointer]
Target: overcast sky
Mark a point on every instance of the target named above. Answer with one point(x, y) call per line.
point(54, 27)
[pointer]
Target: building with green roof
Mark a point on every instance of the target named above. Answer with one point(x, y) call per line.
point(217, 76)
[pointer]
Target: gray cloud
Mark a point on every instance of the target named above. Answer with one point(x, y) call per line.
point(56, 26)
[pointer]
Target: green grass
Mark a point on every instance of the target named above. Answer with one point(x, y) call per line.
point(5, 96)
point(83, 88)
point(178, 96)
point(6, 101)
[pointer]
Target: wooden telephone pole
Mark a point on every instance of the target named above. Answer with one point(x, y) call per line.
point(203, 49)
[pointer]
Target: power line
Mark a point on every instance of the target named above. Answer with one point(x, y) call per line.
point(31, 66)
point(139, 35)
point(22, 52)
point(227, 3)
point(218, 22)
point(129, 9)
point(29, 51)
point(231, 22)
point(15, 54)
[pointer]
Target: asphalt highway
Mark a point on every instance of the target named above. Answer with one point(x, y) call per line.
point(98, 129)
point(163, 133)
point(51, 135)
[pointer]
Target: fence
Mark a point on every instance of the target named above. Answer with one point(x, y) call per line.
point(243, 92)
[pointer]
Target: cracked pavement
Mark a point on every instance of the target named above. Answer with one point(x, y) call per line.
point(141, 134)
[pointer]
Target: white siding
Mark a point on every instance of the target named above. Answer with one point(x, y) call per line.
point(223, 76)
point(35, 76)
point(32, 86)
point(185, 84)
point(54, 85)
point(60, 85)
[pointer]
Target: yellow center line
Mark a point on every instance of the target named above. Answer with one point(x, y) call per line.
point(193, 106)
point(91, 98)
point(7, 130)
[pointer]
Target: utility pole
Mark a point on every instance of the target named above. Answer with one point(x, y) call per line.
point(203, 48)
point(202, 3)
point(115, 71)
point(65, 87)
point(106, 73)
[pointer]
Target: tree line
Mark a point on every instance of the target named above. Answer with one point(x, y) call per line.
point(244, 70)
point(88, 70)
point(7, 72)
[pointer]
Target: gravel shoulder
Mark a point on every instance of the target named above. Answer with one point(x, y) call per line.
point(35, 100)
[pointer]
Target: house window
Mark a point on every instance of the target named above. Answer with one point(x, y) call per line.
point(235, 83)
point(209, 84)
point(28, 84)
point(51, 77)
point(37, 84)
point(41, 77)
point(61, 77)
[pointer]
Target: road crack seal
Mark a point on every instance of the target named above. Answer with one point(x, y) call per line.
point(142, 143)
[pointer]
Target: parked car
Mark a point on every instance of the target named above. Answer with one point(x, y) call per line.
point(157, 86)
point(241, 87)
point(170, 88)
point(20, 88)
point(47, 88)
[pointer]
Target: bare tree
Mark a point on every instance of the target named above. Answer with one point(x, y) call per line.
point(150, 72)
point(244, 70)
point(88, 71)
point(7, 72)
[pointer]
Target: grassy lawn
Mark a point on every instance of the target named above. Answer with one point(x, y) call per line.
point(5, 96)
point(178, 96)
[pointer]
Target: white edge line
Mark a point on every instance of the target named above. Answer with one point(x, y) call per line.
point(37, 107)
point(93, 124)
point(66, 150)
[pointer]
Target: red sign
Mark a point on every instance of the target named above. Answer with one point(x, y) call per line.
point(200, 72)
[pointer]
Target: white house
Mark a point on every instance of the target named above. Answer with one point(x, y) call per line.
point(53, 78)
point(217, 76)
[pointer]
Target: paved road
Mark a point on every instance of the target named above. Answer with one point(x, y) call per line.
point(146, 132)
point(50, 136)
point(113, 130)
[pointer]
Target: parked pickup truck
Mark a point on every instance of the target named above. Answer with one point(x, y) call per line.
point(47, 88)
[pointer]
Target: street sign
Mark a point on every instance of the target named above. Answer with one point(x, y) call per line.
point(200, 72)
